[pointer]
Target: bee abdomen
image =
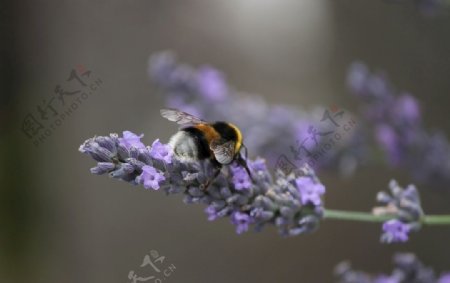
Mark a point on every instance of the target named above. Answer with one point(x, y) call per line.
point(190, 144)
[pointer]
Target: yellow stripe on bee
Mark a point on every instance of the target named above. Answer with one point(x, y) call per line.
point(238, 145)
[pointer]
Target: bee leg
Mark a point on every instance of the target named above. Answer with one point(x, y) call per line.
point(241, 161)
point(218, 168)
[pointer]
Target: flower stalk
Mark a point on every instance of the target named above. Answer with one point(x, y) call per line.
point(333, 214)
point(293, 202)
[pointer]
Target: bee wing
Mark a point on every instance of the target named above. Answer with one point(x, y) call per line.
point(180, 117)
point(223, 151)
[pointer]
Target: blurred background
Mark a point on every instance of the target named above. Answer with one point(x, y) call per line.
point(59, 223)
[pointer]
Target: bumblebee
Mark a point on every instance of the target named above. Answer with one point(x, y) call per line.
point(220, 142)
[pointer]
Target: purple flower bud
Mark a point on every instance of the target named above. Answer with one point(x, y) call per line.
point(195, 192)
point(260, 214)
point(122, 152)
point(107, 142)
point(124, 171)
point(211, 84)
point(136, 164)
point(128, 168)
point(144, 156)
point(287, 212)
point(225, 191)
point(97, 152)
point(134, 152)
point(102, 168)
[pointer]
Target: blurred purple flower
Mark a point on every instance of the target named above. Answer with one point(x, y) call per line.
point(385, 279)
point(160, 67)
point(445, 278)
point(378, 87)
point(398, 130)
point(357, 77)
point(407, 269)
point(395, 231)
point(212, 84)
point(407, 109)
point(204, 92)
point(387, 138)
point(394, 120)
point(431, 7)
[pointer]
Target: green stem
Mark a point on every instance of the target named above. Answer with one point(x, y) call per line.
point(368, 217)
point(436, 220)
point(354, 216)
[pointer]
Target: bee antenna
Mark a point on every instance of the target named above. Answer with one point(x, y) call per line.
point(246, 151)
point(243, 162)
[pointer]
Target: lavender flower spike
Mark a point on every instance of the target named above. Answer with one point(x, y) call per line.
point(394, 118)
point(404, 205)
point(407, 269)
point(291, 202)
